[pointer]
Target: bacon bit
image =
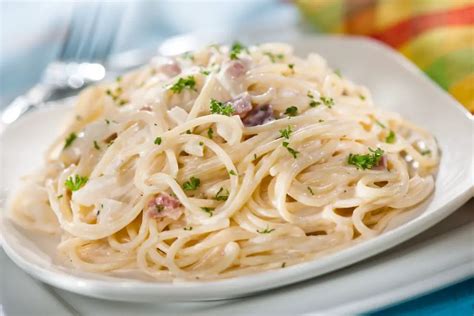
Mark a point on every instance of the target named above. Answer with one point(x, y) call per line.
point(146, 108)
point(241, 104)
point(164, 205)
point(236, 69)
point(382, 164)
point(259, 115)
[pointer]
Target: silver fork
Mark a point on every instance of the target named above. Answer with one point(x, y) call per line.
point(81, 60)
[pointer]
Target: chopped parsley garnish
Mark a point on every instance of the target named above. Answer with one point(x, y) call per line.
point(236, 49)
point(76, 182)
point(201, 144)
point(210, 133)
point(184, 83)
point(157, 141)
point(338, 73)
point(69, 140)
point(291, 66)
point(96, 145)
point(291, 111)
point(208, 210)
point(188, 132)
point(283, 264)
point(232, 173)
point(118, 79)
point(217, 107)
point(107, 121)
point(292, 151)
point(314, 103)
point(255, 157)
point(192, 184)
point(265, 231)
point(205, 72)
point(59, 196)
point(367, 161)
point(361, 97)
point(380, 124)
point(222, 194)
point(390, 137)
point(329, 102)
point(274, 57)
point(426, 152)
point(310, 190)
point(188, 228)
point(286, 132)
point(187, 55)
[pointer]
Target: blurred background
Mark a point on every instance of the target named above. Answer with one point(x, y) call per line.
point(437, 35)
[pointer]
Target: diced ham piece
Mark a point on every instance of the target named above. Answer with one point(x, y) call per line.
point(170, 69)
point(259, 115)
point(146, 108)
point(167, 66)
point(236, 69)
point(382, 164)
point(242, 104)
point(164, 205)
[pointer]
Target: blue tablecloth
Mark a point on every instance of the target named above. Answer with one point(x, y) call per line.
point(31, 34)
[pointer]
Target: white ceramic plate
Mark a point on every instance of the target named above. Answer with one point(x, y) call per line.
point(396, 85)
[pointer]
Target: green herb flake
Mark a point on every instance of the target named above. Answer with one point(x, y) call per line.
point(192, 184)
point(286, 132)
point(367, 161)
point(210, 133)
point(265, 231)
point(274, 57)
point(314, 103)
point(201, 144)
point(69, 140)
point(338, 73)
point(221, 108)
point(329, 102)
point(76, 182)
point(380, 124)
point(188, 132)
point(205, 72)
point(188, 228)
point(283, 264)
point(292, 151)
point(232, 173)
point(291, 111)
point(157, 141)
point(96, 145)
point(236, 49)
point(391, 137)
point(361, 97)
point(188, 55)
point(107, 121)
point(118, 79)
point(222, 194)
point(184, 83)
point(59, 196)
point(310, 190)
point(208, 210)
point(426, 152)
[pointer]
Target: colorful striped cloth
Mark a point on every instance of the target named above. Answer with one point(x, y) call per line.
point(437, 35)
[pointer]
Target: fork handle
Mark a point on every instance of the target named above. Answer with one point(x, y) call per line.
point(22, 104)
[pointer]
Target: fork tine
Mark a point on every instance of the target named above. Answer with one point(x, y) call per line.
point(101, 47)
point(87, 35)
point(73, 35)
